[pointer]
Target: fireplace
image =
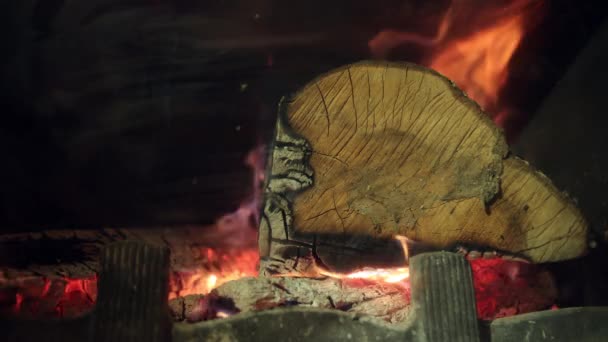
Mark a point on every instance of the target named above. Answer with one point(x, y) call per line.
point(239, 171)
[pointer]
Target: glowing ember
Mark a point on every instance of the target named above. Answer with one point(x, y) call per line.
point(473, 46)
point(502, 287)
point(506, 288)
point(60, 297)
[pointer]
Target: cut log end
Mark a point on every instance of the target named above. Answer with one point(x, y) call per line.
point(381, 149)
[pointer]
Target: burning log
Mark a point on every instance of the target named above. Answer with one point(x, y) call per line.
point(379, 149)
point(53, 274)
point(502, 288)
point(390, 302)
point(75, 253)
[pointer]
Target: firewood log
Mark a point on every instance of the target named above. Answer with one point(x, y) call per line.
point(389, 302)
point(382, 149)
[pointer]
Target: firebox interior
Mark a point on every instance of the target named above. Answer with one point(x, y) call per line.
point(146, 170)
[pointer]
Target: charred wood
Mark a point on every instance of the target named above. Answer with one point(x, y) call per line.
point(389, 302)
point(75, 253)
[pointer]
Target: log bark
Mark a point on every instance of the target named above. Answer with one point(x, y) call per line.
point(381, 149)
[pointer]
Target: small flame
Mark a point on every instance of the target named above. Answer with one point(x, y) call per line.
point(386, 275)
point(74, 285)
point(217, 267)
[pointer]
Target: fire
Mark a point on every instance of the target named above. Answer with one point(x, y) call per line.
point(473, 46)
point(217, 267)
point(506, 288)
point(386, 275)
point(502, 287)
point(238, 234)
point(60, 297)
point(479, 63)
point(211, 281)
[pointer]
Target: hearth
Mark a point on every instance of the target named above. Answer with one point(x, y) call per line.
point(153, 192)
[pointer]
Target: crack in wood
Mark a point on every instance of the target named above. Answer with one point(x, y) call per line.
point(324, 106)
point(352, 92)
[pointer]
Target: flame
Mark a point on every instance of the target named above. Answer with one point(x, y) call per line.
point(387, 40)
point(386, 275)
point(217, 267)
point(479, 63)
point(473, 46)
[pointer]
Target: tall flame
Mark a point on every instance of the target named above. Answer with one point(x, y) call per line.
point(473, 46)
point(479, 63)
point(217, 267)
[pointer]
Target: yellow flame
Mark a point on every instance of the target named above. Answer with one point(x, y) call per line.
point(211, 281)
point(480, 63)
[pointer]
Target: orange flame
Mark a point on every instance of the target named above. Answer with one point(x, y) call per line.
point(217, 268)
point(386, 275)
point(479, 63)
point(239, 256)
point(473, 46)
